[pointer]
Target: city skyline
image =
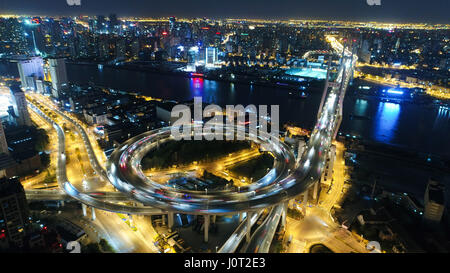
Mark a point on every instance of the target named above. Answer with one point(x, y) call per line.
point(132, 134)
point(403, 11)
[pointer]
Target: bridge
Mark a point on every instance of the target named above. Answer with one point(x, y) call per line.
point(285, 181)
point(55, 195)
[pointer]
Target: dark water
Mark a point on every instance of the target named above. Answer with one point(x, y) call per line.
point(184, 89)
point(421, 128)
point(417, 127)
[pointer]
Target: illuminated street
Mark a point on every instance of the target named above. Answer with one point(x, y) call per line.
point(224, 127)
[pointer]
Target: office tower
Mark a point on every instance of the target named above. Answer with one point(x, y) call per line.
point(20, 106)
point(121, 48)
point(397, 44)
point(3, 143)
point(40, 86)
point(59, 76)
point(211, 56)
point(92, 25)
point(364, 52)
point(113, 23)
point(104, 48)
point(14, 213)
point(434, 201)
point(135, 48)
point(172, 21)
point(192, 58)
point(30, 70)
point(101, 23)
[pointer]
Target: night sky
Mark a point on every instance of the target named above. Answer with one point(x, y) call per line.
point(432, 11)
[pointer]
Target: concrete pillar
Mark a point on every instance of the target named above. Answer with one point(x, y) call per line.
point(163, 219)
point(213, 220)
point(316, 190)
point(170, 221)
point(284, 214)
point(83, 208)
point(206, 227)
point(305, 198)
point(241, 216)
point(93, 213)
point(249, 226)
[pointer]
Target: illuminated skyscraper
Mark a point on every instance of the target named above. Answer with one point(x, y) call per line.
point(40, 88)
point(211, 56)
point(20, 106)
point(30, 70)
point(172, 21)
point(434, 201)
point(101, 24)
point(114, 23)
point(14, 213)
point(59, 76)
point(3, 143)
point(192, 57)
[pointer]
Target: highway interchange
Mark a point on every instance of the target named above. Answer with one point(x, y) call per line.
point(282, 183)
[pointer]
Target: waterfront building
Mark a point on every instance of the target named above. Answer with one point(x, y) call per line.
point(434, 201)
point(59, 76)
point(20, 106)
point(30, 70)
point(14, 213)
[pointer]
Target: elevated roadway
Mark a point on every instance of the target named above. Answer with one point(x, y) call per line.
point(85, 198)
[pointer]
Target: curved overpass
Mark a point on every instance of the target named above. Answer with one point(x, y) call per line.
point(85, 198)
point(329, 117)
point(124, 172)
point(281, 184)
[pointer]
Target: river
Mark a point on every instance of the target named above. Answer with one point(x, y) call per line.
point(421, 128)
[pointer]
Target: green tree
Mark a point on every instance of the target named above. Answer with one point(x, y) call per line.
point(105, 246)
point(91, 248)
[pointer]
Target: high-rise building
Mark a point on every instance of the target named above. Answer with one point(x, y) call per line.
point(40, 88)
point(121, 48)
point(211, 56)
point(59, 76)
point(192, 58)
point(3, 143)
point(135, 48)
point(104, 48)
point(30, 70)
point(434, 201)
point(101, 24)
point(14, 38)
point(364, 53)
point(14, 213)
point(20, 106)
point(172, 21)
point(114, 24)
